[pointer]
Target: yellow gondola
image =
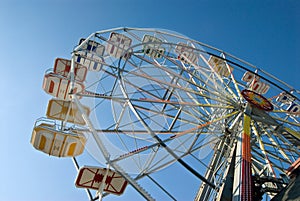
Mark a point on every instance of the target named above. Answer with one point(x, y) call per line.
point(66, 111)
point(47, 139)
point(220, 66)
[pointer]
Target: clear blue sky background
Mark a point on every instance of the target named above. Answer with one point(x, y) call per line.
point(34, 32)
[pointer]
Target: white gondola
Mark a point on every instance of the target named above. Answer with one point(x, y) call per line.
point(285, 98)
point(47, 139)
point(294, 109)
point(186, 54)
point(61, 87)
point(220, 66)
point(63, 67)
point(93, 177)
point(255, 84)
point(90, 55)
point(152, 46)
point(117, 45)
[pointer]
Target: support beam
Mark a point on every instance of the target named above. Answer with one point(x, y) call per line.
point(242, 185)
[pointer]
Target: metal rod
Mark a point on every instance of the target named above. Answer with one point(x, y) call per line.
point(77, 168)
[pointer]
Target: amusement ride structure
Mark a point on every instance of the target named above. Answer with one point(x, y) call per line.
point(140, 102)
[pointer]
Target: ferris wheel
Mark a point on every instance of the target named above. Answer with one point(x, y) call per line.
point(141, 101)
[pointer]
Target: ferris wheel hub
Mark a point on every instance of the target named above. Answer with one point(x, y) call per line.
point(257, 100)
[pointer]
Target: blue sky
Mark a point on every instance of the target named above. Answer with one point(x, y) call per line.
point(34, 32)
